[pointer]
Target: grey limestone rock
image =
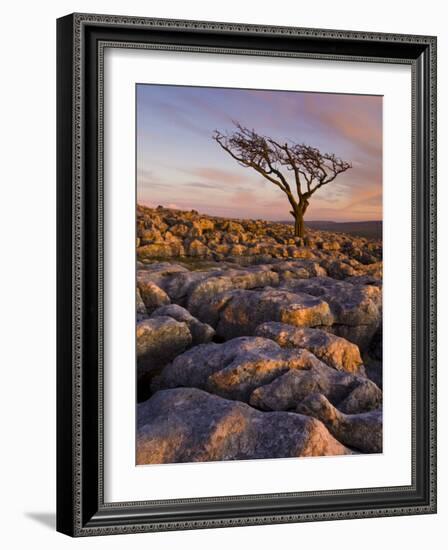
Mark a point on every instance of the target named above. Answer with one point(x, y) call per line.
point(190, 425)
point(362, 431)
point(201, 333)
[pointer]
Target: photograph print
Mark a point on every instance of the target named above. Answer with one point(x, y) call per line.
point(258, 274)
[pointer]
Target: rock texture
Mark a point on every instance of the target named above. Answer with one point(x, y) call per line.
point(200, 332)
point(233, 369)
point(166, 233)
point(159, 340)
point(190, 425)
point(258, 371)
point(333, 350)
point(253, 343)
point(351, 394)
point(151, 295)
point(363, 431)
point(356, 308)
point(243, 310)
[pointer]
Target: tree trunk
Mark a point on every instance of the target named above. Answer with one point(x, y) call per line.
point(299, 224)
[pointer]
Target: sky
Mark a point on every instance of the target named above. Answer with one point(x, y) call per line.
point(179, 165)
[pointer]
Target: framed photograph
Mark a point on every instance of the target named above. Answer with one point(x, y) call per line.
point(246, 274)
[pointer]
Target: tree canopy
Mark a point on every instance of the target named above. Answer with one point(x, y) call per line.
point(278, 161)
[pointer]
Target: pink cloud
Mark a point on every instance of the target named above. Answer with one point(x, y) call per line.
point(355, 118)
point(217, 175)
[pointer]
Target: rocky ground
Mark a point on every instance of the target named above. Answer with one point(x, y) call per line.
point(253, 343)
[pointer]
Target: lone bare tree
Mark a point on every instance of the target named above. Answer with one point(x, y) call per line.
point(311, 169)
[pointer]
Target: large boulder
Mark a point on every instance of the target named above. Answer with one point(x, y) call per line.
point(351, 304)
point(244, 310)
point(190, 425)
point(362, 431)
point(151, 294)
point(191, 288)
point(194, 367)
point(246, 373)
point(236, 368)
point(365, 396)
point(207, 288)
point(200, 332)
point(349, 393)
point(179, 285)
point(332, 350)
point(159, 340)
point(356, 309)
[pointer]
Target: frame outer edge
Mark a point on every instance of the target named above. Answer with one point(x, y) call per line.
point(70, 515)
point(65, 496)
point(222, 26)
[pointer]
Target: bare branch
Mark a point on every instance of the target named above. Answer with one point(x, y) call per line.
point(273, 160)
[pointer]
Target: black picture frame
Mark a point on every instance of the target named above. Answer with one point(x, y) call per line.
point(81, 510)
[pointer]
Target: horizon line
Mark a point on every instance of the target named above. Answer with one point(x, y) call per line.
point(255, 219)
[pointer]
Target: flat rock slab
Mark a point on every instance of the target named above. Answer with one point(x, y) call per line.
point(188, 288)
point(332, 350)
point(190, 425)
point(157, 272)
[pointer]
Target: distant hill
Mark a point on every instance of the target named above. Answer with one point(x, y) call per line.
point(369, 229)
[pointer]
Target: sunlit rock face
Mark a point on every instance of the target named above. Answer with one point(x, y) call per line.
point(333, 350)
point(191, 425)
point(258, 371)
